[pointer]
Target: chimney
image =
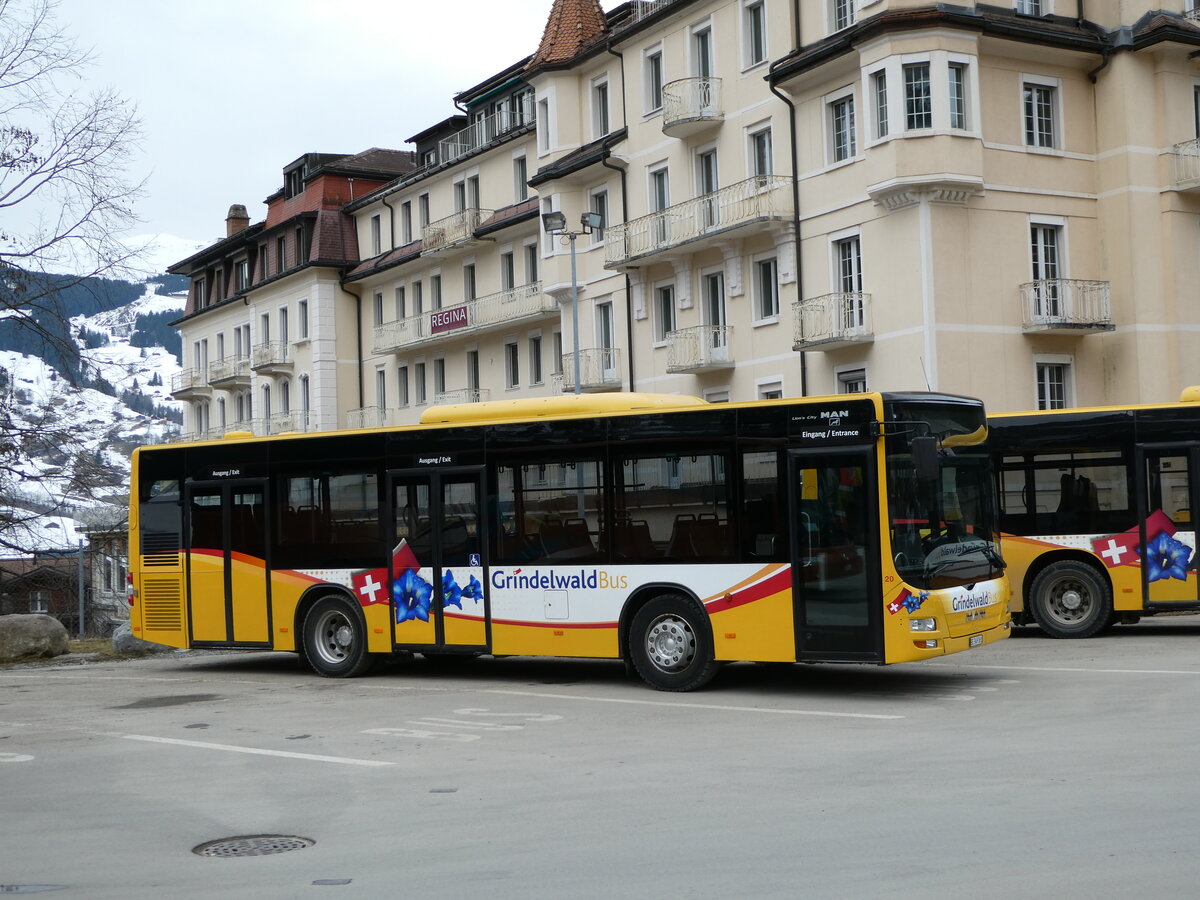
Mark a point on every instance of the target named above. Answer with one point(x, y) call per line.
point(237, 220)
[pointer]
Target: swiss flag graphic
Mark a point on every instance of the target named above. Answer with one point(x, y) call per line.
point(371, 585)
point(1122, 549)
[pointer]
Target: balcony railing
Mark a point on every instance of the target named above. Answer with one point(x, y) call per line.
point(463, 395)
point(499, 309)
point(753, 200)
point(271, 355)
point(452, 231)
point(643, 9)
point(369, 417)
point(190, 383)
point(599, 370)
point(1186, 158)
point(700, 348)
point(1066, 306)
point(691, 105)
point(231, 370)
point(832, 321)
point(482, 132)
point(294, 420)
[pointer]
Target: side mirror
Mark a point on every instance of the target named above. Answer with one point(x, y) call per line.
point(925, 457)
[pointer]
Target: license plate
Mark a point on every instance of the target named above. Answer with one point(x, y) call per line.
point(976, 640)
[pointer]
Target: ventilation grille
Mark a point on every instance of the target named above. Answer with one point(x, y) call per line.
point(162, 603)
point(156, 542)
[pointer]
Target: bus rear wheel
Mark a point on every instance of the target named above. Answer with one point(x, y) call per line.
point(1071, 600)
point(671, 646)
point(335, 639)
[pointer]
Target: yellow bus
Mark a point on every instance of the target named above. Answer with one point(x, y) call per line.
point(1096, 513)
point(658, 529)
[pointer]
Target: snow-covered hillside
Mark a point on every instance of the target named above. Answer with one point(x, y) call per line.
point(78, 440)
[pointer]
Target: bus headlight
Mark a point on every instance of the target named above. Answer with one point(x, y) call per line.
point(922, 624)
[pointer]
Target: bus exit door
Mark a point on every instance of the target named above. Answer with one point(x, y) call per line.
point(1167, 501)
point(228, 578)
point(438, 571)
point(834, 548)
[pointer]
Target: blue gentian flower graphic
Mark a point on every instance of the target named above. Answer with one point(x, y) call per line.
point(451, 592)
point(412, 595)
point(474, 589)
point(1167, 558)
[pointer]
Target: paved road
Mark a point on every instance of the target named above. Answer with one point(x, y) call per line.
point(1033, 768)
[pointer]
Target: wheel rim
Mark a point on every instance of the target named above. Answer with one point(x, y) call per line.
point(670, 643)
point(333, 637)
point(1069, 601)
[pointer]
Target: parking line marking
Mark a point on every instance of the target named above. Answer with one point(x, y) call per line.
point(1076, 669)
point(287, 754)
point(709, 706)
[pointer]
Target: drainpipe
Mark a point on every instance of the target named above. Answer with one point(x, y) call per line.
point(795, 219)
point(391, 220)
point(358, 335)
point(624, 218)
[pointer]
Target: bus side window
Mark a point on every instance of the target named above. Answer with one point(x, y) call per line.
point(762, 522)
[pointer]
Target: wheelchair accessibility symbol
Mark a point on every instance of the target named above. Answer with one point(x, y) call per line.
point(474, 559)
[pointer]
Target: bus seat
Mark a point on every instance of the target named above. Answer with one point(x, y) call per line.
point(632, 540)
point(680, 546)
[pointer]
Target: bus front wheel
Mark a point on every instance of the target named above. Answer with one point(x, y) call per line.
point(1071, 600)
point(671, 645)
point(335, 639)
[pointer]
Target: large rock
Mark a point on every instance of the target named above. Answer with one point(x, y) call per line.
point(123, 641)
point(31, 635)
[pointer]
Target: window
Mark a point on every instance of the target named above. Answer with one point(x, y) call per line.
point(201, 294)
point(280, 253)
point(1029, 7)
point(762, 162)
point(605, 332)
point(766, 288)
point(520, 179)
point(535, 359)
point(656, 518)
point(600, 122)
point(508, 271)
point(879, 93)
point(531, 263)
point(473, 370)
point(419, 379)
point(918, 102)
point(439, 375)
point(770, 389)
point(1044, 255)
point(305, 398)
point(664, 311)
point(958, 95)
point(543, 125)
point(754, 29)
point(39, 602)
point(702, 52)
point(376, 237)
point(401, 303)
point(841, 125)
point(377, 306)
point(599, 204)
point(435, 291)
point(293, 182)
point(262, 267)
point(660, 199)
point(841, 14)
point(848, 254)
point(512, 365)
point(1040, 100)
point(301, 247)
point(469, 281)
point(266, 401)
point(713, 287)
point(706, 187)
point(241, 272)
point(402, 386)
point(381, 388)
point(264, 328)
point(283, 325)
point(1053, 384)
point(302, 316)
point(557, 357)
point(561, 500)
point(654, 80)
point(406, 221)
point(418, 299)
point(852, 381)
point(423, 211)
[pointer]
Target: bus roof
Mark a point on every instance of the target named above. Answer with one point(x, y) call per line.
point(556, 407)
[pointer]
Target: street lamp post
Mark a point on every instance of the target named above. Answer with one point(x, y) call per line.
point(555, 223)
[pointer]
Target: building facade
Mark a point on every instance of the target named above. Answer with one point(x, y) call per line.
point(999, 200)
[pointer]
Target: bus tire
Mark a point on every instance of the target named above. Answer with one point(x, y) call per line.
point(335, 639)
point(1070, 599)
point(670, 644)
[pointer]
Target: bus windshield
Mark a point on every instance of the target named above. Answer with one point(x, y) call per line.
point(943, 524)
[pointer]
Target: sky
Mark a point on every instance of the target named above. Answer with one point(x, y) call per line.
point(231, 91)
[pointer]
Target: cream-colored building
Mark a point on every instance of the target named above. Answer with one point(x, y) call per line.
point(999, 199)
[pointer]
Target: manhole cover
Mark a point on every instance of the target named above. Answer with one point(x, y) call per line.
point(253, 845)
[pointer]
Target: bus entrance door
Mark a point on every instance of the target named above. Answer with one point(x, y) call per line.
point(438, 574)
point(228, 579)
point(1167, 506)
point(838, 598)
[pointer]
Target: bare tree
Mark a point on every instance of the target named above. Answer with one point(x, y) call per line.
point(65, 199)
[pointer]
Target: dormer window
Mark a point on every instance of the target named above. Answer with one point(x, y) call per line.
point(429, 158)
point(241, 274)
point(293, 183)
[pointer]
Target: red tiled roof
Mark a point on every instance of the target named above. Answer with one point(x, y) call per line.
point(573, 25)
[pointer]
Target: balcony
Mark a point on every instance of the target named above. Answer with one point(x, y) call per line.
point(456, 232)
point(1186, 159)
point(482, 132)
point(832, 321)
point(704, 221)
point(463, 395)
point(230, 373)
point(293, 420)
point(368, 417)
point(1066, 306)
point(644, 9)
point(691, 105)
point(599, 370)
point(498, 310)
point(701, 348)
point(271, 358)
point(190, 384)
